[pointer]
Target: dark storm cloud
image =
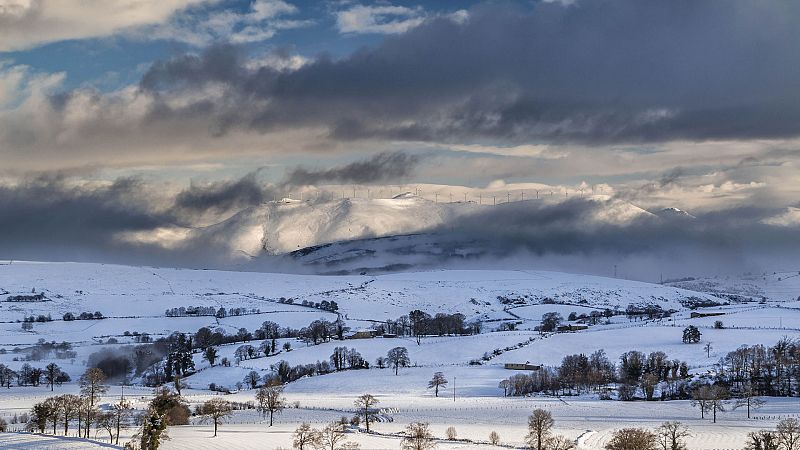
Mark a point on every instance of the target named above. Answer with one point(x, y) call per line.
point(221, 196)
point(594, 71)
point(53, 216)
point(386, 166)
point(219, 63)
point(726, 241)
point(48, 217)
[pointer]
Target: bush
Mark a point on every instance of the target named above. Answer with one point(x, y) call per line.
point(718, 325)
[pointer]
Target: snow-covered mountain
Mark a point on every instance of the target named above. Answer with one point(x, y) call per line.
point(288, 225)
point(276, 228)
point(674, 214)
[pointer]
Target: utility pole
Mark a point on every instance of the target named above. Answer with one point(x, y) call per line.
point(523, 196)
point(537, 195)
point(509, 197)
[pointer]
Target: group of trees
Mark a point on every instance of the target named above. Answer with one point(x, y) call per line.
point(86, 315)
point(28, 375)
point(331, 437)
point(672, 436)
point(344, 358)
point(48, 350)
point(62, 410)
point(219, 313)
point(419, 323)
point(763, 370)
point(636, 372)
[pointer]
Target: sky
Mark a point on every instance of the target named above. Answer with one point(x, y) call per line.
point(693, 104)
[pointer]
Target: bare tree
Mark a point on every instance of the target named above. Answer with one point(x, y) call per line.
point(748, 398)
point(215, 411)
point(366, 408)
point(333, 437)
point(708, 349)
point(251, 379)
point(632, 439)
point(305, 437)
point(398, 357)
point(494, 438)
point(53, 375)
point(121, 412)
point(789, 434)
point(762, 440)
point(178, 383)
point(105, 420)
point(718, 399)
point(559, 443)
point(69, 406)
point(270, 400)
point(418, 436)
point(671, 435)
point(504, 385)
point(93, 385)
point(539, 425)
point(711, 398)
point(436, 382)
point(451, 433)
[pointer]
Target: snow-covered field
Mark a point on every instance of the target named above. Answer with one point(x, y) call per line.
point(134, 299)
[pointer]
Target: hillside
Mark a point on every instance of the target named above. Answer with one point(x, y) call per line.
point(280, 227)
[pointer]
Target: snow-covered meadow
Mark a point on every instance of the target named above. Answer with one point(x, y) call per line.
point(134, 299)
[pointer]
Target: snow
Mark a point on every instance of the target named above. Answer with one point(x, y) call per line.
point(135, 298)
point(43, 442)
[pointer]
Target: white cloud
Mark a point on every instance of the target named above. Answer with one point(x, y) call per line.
point(361, 19)
point(789, 218)
point(27, 23)
point(259, 23)
point(19, 83)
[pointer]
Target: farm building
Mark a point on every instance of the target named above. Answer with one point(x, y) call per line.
point(695, 315)
point(521, 366)
point(564, 328)
point(361, 334)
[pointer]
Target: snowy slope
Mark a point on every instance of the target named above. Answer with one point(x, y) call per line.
point(134, 298)
point(288, 225)
point(781, 286)
point(280, 227)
